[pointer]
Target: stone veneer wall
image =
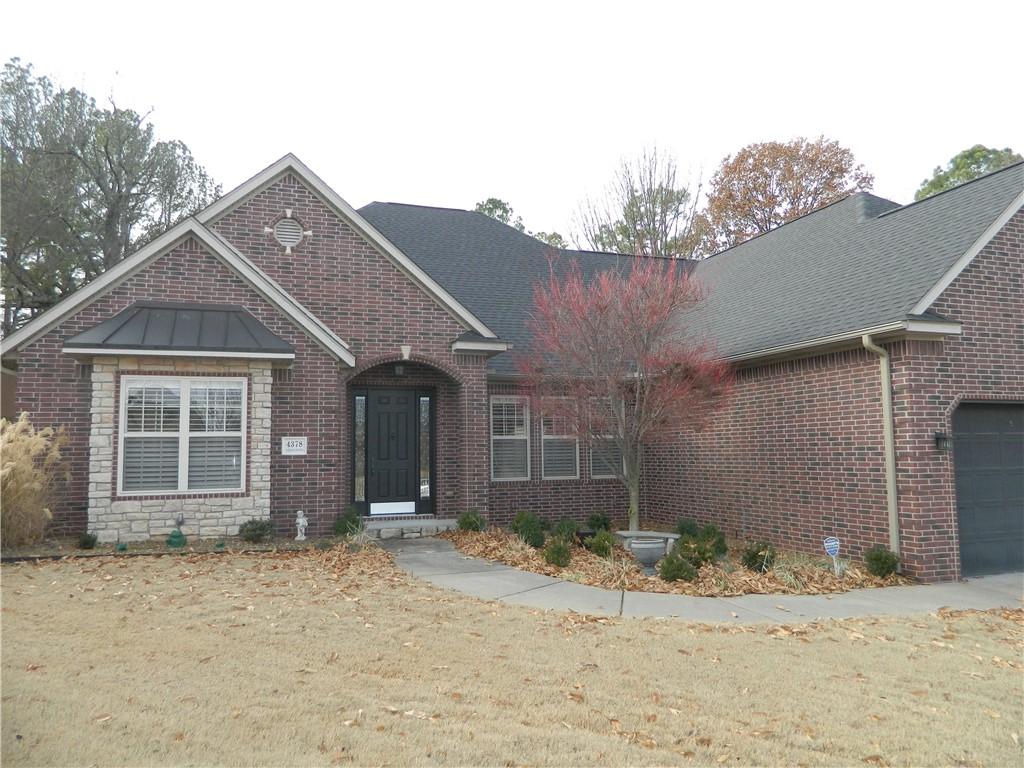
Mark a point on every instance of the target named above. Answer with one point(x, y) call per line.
point(136, 518)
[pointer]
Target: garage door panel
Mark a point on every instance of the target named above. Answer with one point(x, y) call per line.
point(989, 463)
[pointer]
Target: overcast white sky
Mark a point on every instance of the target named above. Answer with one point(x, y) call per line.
point(448, 103)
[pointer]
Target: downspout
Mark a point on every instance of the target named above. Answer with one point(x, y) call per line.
point(889, 440)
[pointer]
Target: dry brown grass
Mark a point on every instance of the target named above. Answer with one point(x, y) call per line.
point(331, 659)
point(30, 465)
point(793, 574)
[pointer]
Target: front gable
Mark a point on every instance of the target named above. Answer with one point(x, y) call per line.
point(342, 268)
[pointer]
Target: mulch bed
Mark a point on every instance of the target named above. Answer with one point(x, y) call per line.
point(793, 574)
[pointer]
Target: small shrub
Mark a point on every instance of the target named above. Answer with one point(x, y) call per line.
point(254, 530)
point(565, 529)
point(528, 527)
point(687, 527)
point(558, 552)
point(471, 521)
point(599, 522)
point(348, 523)
point(601, 543)
point(87, 541)
point(675, 566)
point(713, 536)
point(759, 556)
point(695, 550)
point(30, 466)
point(880, 561)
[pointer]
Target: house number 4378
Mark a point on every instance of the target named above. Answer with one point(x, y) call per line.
point(293, 446)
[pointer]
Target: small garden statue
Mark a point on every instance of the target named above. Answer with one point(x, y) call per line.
point(300, 525)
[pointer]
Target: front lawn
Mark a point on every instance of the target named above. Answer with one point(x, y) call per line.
point(325, 658)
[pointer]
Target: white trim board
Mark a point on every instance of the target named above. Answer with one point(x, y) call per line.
point(480, 346)
point(964, 261)
point(936, 328)
point(291, 164)
point(230, 257)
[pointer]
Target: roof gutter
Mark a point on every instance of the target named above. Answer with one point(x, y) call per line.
point(889, 439)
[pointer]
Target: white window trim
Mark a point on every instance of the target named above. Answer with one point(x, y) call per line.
point(544, 437)
point(526, 413)
point(594, 475)
point(183, 433)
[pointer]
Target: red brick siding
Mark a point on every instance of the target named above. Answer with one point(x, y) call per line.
point(552, 499)
point(985, 363)
point(363, 297)
point(49, 391)
point(798, 453)
point(794, 457)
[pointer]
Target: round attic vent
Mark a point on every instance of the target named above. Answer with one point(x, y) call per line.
point(288, 232)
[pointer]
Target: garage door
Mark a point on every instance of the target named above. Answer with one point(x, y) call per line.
point(988, 444)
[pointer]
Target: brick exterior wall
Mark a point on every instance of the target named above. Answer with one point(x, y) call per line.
point(352, 288)
point(553, 499)
point(985, 363)
point(53, 393)
point(796, 456)
point(798, 453)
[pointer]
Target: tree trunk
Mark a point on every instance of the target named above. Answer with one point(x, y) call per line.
point(633, 485)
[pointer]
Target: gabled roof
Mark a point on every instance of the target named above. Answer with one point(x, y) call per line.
point(491, 267)
point(153, 250)
point(291, 164)
point(863, 264)
point(179, 328)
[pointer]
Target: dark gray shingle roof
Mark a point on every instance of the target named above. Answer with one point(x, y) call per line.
point(182, 327)
point(858, 263)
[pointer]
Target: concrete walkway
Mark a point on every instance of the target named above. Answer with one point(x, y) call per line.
point(437, 561)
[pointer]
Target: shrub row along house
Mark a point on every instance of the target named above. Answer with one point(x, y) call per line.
point(282, 351)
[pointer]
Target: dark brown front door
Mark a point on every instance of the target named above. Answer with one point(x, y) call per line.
point(391, 438)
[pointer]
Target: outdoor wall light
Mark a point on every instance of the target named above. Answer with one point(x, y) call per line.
point(399, 370)
point(943, 442)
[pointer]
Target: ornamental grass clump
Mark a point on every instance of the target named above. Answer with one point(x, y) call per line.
point(528, 527)
point(601, 543)
point(471, 521)
point(565, 529)
point(759, 557)
point(31, 466)
point(348, 523)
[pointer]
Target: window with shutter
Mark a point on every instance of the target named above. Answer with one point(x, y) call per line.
point(166, 451)
point(559, 450)
point(510, 438)
point(605, 454)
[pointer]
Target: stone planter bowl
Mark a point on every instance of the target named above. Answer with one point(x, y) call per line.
point(647, 551)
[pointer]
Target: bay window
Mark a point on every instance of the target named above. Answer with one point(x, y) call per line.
point(182, 434)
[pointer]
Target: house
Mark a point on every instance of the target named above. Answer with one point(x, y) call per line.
point(283, 351)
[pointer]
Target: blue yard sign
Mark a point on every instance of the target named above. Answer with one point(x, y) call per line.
point(832, 549)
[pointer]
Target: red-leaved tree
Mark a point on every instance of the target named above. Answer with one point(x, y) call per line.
point(611, 363)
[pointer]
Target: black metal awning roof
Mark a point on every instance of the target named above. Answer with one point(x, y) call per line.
point(169, 328)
